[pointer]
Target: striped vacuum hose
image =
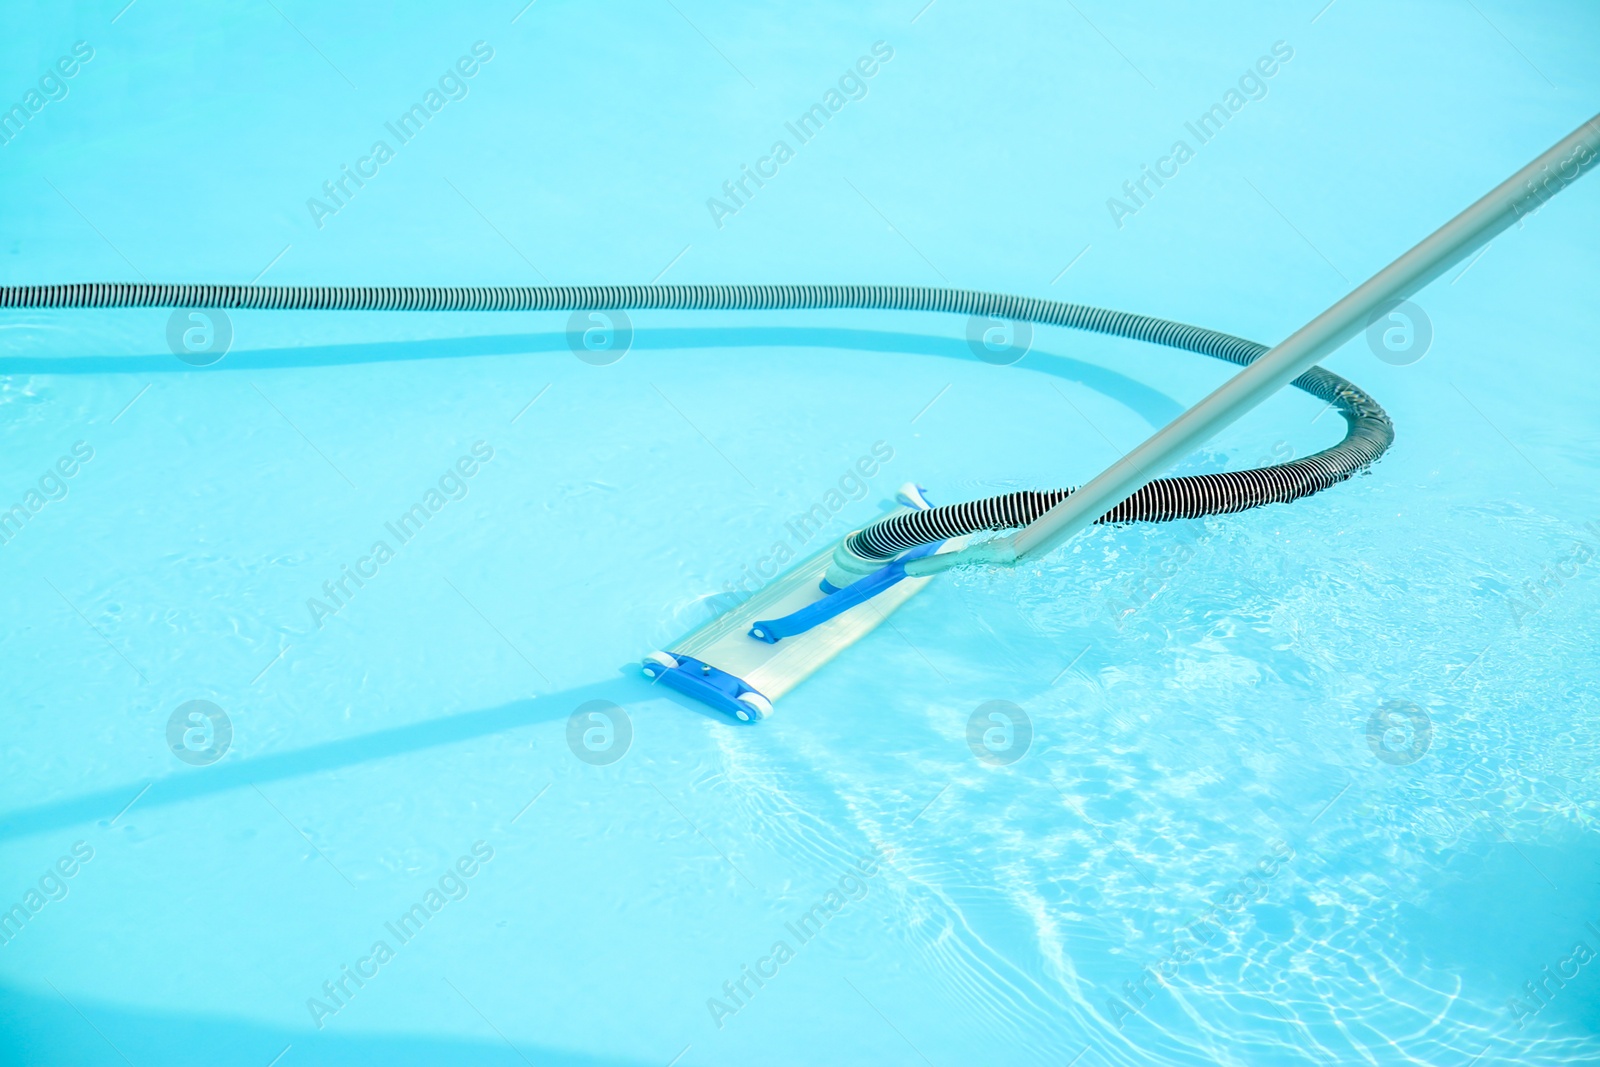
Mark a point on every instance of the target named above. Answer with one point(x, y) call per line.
point(1368, 430)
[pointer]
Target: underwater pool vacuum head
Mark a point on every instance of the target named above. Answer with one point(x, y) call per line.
point(746, 658)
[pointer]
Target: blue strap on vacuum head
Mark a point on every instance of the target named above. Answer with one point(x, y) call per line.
point(838, 600)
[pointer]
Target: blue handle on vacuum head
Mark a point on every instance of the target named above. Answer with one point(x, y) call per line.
point(858, 592)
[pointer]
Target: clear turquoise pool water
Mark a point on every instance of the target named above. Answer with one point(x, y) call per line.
point(1201, 696)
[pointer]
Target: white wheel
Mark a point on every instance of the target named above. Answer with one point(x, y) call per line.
point(657, 663)
point(756, 707)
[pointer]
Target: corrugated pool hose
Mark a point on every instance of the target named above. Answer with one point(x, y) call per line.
point(1368, 430)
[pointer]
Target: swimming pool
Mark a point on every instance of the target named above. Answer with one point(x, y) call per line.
point(1347, 744)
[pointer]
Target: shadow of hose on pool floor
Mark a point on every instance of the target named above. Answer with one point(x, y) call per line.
point(1149, 403)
